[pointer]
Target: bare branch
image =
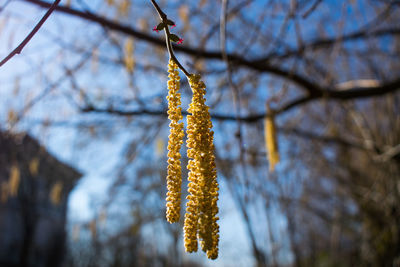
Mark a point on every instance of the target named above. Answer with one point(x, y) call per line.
point(4, 5)
point(329, 42)
point(164, 19)
point(351, 94)
point(236, 60)
point(364, 91)
point(21, 46)
point(311, 9)
point(314, 91)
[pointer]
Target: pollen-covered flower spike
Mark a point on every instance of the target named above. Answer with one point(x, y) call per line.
point(201, 211)
point(174, 174)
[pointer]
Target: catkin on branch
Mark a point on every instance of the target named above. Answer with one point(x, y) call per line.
point(174, 175)
point(271, 141)
point(201, 212)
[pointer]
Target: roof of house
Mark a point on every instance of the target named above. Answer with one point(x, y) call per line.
point(25, 151)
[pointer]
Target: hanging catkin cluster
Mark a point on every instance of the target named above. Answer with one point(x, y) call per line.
point(201, 210)
point(174, 175)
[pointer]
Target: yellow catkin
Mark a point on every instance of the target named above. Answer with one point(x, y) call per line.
point(124, 7)
point(271, 141)
point(12, 117)
point(129, 60)
point(201, 211)
point(174, 174)
point(56, 192)
point(160, 146)
point(183, 13)
point(143, 24)
point(14, 181)
point(34, 166)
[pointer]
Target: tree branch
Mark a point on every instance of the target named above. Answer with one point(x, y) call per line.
point(248, 119)
point(327, 42)
point(314, 91)
point(164, 113)
point(234, 59)
point(350, 94)
point(21, 46)
point(164, 19)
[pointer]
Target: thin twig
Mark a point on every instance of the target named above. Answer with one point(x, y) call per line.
point(21, 46)
point(51, 87)
point(311, 9)
point(237, 105)
point(234, 88)
point(164, 19)
point(4, 5)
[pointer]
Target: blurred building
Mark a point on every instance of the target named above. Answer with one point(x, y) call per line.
point(33, 203)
